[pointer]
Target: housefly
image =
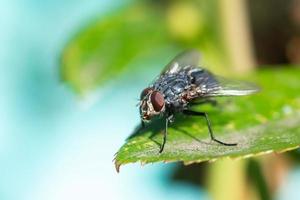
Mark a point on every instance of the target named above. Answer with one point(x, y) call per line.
point(181, 83)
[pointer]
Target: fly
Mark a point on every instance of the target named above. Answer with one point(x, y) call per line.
point(181, 83)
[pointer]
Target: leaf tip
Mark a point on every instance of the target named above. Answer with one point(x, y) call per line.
point(117, 165)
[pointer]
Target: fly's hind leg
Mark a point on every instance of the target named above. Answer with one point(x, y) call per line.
point(203, 114)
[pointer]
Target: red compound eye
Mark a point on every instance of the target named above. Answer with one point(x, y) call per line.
point(157, 100)
point(145, 92)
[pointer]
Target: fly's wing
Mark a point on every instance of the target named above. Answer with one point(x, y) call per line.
point(186, 58)
point(213, 86)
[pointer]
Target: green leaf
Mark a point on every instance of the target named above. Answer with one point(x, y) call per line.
point(266, 122)
point(144, 31)
point(103, 50)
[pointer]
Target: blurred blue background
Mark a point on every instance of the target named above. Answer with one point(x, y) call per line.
point(54, 145)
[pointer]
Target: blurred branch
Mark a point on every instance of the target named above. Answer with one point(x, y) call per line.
point(237, 35)
point(227, 180)
point(256, 176)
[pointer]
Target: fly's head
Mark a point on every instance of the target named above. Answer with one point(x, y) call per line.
point(152, 103)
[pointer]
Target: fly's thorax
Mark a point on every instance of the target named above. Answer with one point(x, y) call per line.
point(152, 103)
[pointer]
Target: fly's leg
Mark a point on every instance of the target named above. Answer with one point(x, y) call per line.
point(165, 136)
point(203, 114)
point(142, 124)
point(168, 119)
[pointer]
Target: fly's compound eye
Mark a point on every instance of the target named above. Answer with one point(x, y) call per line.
point(157, 101)
point(145, 92)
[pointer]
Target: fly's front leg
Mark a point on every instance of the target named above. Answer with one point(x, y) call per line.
point(142, 124)
point(168, 119)
point(203, 114)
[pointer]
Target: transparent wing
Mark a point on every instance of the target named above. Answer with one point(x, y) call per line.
point(186, 58)
point(212, 86)
point(226, 87)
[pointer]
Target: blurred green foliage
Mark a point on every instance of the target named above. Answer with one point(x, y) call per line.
point(148, 30)
point(262, 123)
point(105, 48)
